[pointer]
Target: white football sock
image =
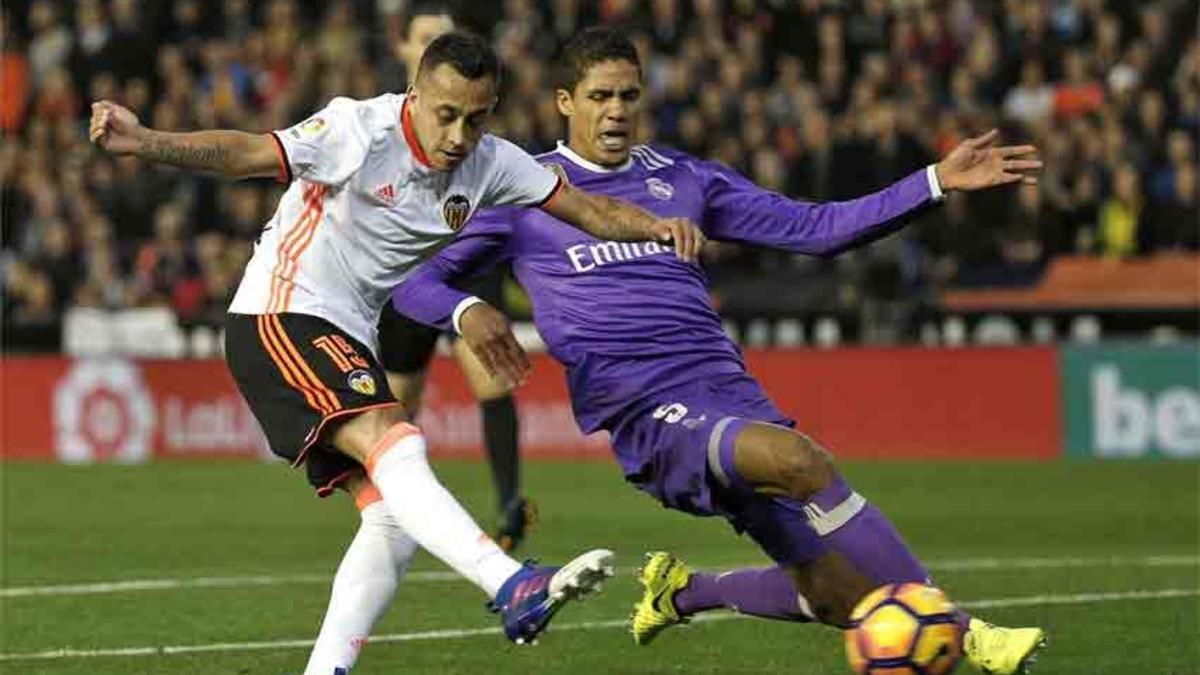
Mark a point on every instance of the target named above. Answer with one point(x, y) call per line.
point(363, 588)
point(429, 513)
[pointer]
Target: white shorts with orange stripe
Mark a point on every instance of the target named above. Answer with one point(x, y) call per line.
point(299, 373)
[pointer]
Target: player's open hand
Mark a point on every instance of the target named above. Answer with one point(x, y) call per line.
point(975, 164)
point(487, 332)
point(688, 238)
point(114, 128)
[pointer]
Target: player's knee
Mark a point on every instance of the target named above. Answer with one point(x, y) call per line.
point(804, 467)
point(359, 436)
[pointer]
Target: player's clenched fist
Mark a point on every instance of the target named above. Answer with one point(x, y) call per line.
point(688, 238)
point(488, 334)
point(114, 128)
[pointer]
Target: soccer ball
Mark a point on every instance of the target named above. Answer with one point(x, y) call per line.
point(904, 629)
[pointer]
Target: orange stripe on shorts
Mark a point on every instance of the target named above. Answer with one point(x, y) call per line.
point(322, 392)
point(292, 377)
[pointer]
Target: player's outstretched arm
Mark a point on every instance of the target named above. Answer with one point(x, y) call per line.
point(738, 210)
point(975, 165)
point(618, 220)
point(231, 153)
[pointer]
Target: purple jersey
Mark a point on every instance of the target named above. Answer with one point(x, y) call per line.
point(630, 319)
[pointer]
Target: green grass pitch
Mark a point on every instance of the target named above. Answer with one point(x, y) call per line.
point(1105, 556)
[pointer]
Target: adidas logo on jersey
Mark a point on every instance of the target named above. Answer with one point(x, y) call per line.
point(386, 194)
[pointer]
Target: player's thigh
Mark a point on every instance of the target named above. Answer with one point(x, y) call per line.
point(776, 460)
point(483, 386)
point(665, 449)
point(303, 378)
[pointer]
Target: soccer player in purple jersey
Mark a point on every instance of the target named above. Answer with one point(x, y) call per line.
point(648, 361)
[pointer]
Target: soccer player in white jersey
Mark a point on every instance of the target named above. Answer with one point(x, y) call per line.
point(376, 187)
point(406, 347)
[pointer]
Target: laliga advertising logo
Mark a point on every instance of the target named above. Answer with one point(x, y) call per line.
point(102, 412)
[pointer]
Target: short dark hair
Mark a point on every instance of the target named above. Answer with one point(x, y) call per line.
point(589, 47)
point(426, 8)
point(468, 54)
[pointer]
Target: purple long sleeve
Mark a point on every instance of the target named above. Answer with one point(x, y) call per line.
point(428, 294)
point(738, 210)
point(628, 319)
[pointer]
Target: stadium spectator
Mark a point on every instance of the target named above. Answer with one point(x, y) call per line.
point(1121, 215)
point(1032, 100)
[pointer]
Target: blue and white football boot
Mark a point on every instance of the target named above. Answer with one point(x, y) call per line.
point(531, 597)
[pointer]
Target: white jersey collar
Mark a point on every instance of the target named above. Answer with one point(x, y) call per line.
point(574, 157)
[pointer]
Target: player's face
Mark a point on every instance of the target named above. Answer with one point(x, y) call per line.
point(602, 111)
point(450, 113)
point(421, 31)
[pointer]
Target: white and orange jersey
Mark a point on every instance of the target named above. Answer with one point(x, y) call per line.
point(364, 208)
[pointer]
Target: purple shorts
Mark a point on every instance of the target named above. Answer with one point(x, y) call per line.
point(678, 447)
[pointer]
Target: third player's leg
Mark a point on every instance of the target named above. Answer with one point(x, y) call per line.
point(408, 388)
point(498, 410)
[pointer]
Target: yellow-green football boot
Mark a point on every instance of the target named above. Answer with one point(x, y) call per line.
point(996, 650)
point(662, 577)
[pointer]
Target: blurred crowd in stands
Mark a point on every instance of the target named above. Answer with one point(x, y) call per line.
point(817, 99)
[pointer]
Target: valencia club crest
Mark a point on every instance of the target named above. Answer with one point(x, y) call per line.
point(456, 210)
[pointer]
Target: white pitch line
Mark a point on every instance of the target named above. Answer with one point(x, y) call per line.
point(456, 633)
point(134, 585)
point(430, 576)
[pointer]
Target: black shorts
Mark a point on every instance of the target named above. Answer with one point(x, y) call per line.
point(299, 373)
point(406, 346)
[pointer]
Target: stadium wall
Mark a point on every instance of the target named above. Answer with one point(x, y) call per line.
point(1013, 402)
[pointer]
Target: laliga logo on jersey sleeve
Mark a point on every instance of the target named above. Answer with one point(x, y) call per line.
point(362, 382)
point(313, 126)
point(660, 188)
point(456, 210)
point(103, 411)
point(558, 170)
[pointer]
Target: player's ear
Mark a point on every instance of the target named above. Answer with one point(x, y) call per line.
point(566, 104)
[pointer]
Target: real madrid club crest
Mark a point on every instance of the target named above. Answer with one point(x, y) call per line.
point(362, 382)
point(661, 189)
point(455, 211)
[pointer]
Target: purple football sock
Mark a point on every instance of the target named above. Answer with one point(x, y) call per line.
point(850, 525)
point(767, 592)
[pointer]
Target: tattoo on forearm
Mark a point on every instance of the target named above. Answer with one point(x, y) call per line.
point(211, 155)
